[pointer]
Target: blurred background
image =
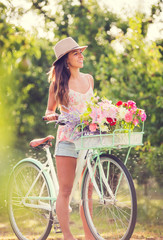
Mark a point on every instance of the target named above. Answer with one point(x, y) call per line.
point(125, 57)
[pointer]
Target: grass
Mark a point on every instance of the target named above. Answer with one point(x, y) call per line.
point(149, 221)
point(150, 216)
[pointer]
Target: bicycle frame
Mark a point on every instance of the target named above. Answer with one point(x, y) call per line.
point(107, 186)
point(49, 172)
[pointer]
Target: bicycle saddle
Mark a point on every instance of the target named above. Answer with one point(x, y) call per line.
point(41, 142)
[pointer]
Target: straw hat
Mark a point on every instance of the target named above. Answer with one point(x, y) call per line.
point(66, 45)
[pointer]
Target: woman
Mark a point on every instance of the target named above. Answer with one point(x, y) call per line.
point(70, 88)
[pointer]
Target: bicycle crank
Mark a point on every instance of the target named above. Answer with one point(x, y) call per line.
point(57, 227)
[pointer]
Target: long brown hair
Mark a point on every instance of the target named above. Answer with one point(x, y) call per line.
point(60, 74)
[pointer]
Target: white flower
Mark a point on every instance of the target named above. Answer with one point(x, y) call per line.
point(121, 113)
point(104, 128)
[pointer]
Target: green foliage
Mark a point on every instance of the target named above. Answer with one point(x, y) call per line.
point(135, 74)
point(153, 157)
point(24, 63)
point(88, 24)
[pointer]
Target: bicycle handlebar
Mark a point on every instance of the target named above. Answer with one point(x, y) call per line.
point(54, 116)
point(56, 119)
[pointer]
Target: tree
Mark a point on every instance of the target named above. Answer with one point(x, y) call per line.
point(25, 61)
point(85, 21)
point(135, 74)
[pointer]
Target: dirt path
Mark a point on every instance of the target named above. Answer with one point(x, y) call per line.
point(135, 237)
point(140, 233)
point(7, 235)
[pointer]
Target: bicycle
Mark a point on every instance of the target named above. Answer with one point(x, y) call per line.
point(33, 189)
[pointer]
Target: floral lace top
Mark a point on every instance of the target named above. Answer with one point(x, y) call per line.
point(77, 101)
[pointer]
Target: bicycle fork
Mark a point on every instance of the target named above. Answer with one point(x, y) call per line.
point(103, 178)
point(57, 228)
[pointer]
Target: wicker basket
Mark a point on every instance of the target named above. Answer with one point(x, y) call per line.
point(109, 140)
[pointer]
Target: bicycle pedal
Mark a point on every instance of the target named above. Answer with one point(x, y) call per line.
point(57, 229)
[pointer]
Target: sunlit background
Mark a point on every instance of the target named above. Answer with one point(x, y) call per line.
point(124, 8)
point(125, 57)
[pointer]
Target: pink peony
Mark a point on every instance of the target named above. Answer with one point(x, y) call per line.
point(128, 117)
point(133, 109)
point(135, 122)
point(93, 127)
point(131, 104)
point(143, 117)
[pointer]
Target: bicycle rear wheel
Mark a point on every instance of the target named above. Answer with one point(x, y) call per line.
point(110, 217)
point(29, 216)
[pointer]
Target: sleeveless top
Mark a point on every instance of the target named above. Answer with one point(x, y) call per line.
point(77, 101)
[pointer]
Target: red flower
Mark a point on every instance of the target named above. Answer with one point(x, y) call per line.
point(111, 121)
point(119, 103)
point(125, 104)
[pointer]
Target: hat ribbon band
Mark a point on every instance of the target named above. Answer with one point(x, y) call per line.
point(69, 50)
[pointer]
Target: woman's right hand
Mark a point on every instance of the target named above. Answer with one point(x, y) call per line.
point(51, 117)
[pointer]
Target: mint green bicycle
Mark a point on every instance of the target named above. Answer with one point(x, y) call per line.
point(33, 189)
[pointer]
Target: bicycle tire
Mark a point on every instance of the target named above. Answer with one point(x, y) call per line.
point(28, 222)
point(110, 219)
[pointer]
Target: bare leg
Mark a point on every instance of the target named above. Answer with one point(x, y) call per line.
point(66, 167)
point(88, 234)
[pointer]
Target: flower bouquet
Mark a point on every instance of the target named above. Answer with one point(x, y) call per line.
point(106, 124)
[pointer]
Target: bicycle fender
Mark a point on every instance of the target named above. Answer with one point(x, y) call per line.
point(46, 174)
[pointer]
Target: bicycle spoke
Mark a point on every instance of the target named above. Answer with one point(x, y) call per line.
point(26, 216)
point(113, 214)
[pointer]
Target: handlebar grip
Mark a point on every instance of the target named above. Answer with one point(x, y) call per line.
point(61, 123)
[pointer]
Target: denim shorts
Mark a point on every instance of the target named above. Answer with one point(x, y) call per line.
point(65, 148)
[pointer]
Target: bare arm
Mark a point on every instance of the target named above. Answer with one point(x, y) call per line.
point(91, 80)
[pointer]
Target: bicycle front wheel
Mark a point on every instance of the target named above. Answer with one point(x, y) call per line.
point(110, 214)
point(28, 202)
